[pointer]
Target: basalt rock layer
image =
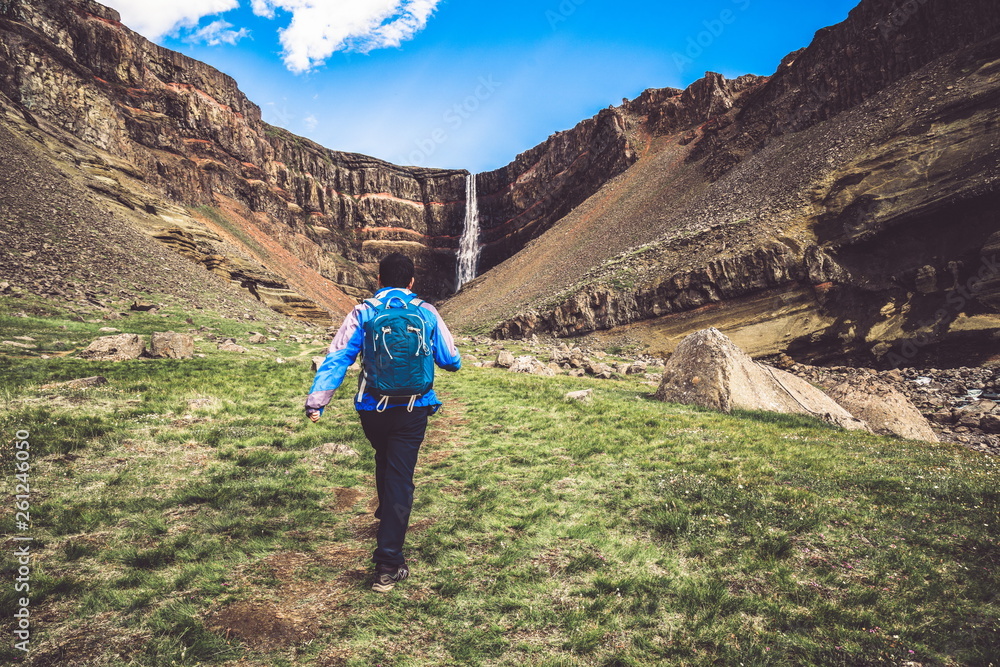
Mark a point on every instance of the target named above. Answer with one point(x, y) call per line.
point(843, 208)
point(177, 144)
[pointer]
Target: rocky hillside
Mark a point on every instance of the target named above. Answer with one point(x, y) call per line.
point(843, 208)
point(176, 146)
point(519, 202)
point(63, 248)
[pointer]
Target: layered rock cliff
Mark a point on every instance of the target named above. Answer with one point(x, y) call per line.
point(151, 129)
point(522, 200)
point(844, 208)
point(179, 146)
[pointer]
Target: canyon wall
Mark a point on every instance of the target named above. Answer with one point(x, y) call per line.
point(843, 209)
point(156, 128)
point(522, 200)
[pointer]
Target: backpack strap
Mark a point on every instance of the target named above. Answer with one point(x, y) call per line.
point(362, 380)
point(362, 383)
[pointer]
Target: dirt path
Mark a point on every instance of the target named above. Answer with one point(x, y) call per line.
point(300, 604)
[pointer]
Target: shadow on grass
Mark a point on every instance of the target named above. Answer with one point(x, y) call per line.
point(785, 420)
point(781, 420)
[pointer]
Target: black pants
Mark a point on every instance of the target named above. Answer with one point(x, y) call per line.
point(396, 435)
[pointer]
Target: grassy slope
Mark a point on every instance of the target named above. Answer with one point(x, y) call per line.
point(619, 531)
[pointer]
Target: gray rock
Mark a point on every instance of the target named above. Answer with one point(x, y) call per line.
point(230, 346)
point(707, 369)
point(531, 365)
point(170, 345)
point(505, 359)
point(884, 409)
point(115, 348)
point(598, 369)
point(582, 395)
point(990, 423)
point(317, 361)
point(943, 417)
point(969, 419)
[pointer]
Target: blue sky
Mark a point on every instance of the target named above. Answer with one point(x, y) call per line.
point(462, 84)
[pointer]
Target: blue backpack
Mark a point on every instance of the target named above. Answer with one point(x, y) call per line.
point(396, 357)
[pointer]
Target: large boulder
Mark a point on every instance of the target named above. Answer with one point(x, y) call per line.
point(883, 408)
point(115, 348)
point(170, 345)
point(707, 369)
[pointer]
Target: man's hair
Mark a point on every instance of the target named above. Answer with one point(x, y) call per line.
point(395, 270)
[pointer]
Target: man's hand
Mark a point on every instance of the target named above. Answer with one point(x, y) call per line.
point(314, 416)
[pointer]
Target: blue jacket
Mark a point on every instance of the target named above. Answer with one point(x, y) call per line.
point(349, 340)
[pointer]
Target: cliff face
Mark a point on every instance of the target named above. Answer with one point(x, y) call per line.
point(844, 208)
point(522, 200)
point(302, 226)
point(153, 128)
point(880, 43)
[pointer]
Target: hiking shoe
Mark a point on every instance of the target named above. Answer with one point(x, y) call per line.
point(387, 576)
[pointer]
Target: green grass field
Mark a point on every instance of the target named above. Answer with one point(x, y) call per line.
point(621, 531)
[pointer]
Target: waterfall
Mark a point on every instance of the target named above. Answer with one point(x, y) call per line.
point(468, 246)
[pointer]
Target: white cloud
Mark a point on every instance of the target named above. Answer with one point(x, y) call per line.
point(320, 28)
point(311, 122)
point(218, 32)
point(262, 8)
point(156, 19)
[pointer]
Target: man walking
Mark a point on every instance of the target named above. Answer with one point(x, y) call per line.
point(400, 338)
